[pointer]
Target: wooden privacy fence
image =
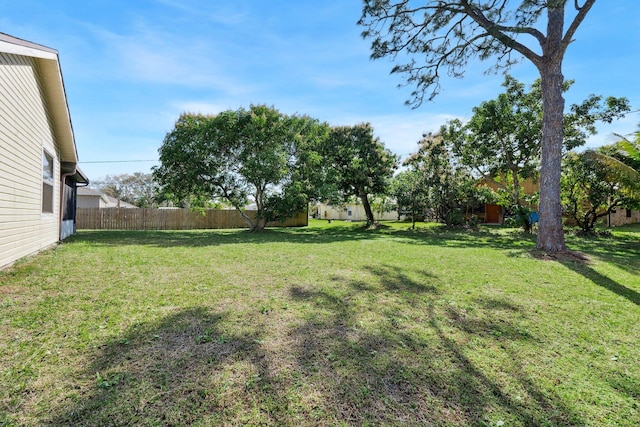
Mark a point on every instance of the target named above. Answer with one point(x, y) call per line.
point(170, 219)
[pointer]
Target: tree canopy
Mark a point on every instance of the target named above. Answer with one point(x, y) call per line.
point(593, 185)
point(446, 184)
point(410, 193)
point(437, 37)
point(358, 163)
point(138, 188)
point(256, 154)
point(501, 142)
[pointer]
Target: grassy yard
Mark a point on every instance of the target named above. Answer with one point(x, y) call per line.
point(324, 325)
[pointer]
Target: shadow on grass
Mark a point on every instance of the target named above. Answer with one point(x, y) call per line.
point(327, 366)
point(164, 374)
point(387, 375)
point(622, 250)
point(602, 280)
point(621, 253)
point(200, 238)
point(309, 235)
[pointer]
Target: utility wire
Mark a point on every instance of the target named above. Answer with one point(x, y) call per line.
point(117, 161)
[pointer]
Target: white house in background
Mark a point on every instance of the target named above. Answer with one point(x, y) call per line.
point(38, 156)
point(351, 212)
point(90, 198)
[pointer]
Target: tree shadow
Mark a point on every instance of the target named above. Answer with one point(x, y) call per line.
point(203, 238)
point(394, 278)
point(181, 370)
point(333, 362)
point(600, 279)
point(388, 375)
point(580, 264)
point(623, 250)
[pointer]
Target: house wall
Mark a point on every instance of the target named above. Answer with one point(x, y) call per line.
point(619, 217)
point(352, 213)
point(25, 130)
point(89, 201)
point(528, 185)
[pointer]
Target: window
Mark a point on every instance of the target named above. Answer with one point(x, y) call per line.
point(628, 213)
point(47, 183)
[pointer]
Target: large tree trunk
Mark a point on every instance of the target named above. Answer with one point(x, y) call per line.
point(367, 207)
point(550, 231)
point(260, 221)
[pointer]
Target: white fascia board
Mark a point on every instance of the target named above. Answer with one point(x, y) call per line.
point(17, 49)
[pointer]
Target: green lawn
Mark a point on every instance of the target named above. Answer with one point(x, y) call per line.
point(324, 325)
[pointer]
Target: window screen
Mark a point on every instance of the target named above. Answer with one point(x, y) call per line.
point(47, 183)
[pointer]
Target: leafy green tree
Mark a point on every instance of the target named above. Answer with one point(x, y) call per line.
point(446, 34)
point(592, 188)
point(409, 190)
point(502, 140)
point(256, 154)
point(138, 188)
point(447, 184)
point(358, 164)
point(382, 203)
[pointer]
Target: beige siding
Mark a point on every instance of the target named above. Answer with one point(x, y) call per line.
point(24, 131)
point(89, 201)
point(619, 217)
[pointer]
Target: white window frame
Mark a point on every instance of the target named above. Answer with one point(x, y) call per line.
point(48, 183)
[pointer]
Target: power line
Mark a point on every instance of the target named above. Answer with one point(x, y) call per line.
point(119, 161)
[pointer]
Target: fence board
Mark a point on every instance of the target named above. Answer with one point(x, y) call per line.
point(170, 219)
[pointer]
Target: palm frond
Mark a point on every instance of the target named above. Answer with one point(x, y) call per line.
point(617, 169)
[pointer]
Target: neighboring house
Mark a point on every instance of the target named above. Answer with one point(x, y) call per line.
point(38, 156)
point(622, 216)
point(351, 212)
point(495, 214)
point(90, 198)
point(491, 213)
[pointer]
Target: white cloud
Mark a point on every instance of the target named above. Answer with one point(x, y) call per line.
point(399, 132)
point(222, 14)
point(148, 55)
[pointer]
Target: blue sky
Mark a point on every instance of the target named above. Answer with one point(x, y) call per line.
point(131, 67)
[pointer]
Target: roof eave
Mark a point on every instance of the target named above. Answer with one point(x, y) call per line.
point(53, 86)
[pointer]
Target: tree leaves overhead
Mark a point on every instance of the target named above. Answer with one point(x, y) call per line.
point(436, 38)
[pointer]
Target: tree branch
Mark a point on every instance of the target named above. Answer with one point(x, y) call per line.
point(497, 32)
point(582, 13)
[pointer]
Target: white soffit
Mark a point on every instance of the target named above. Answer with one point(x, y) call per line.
point(18, 49)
